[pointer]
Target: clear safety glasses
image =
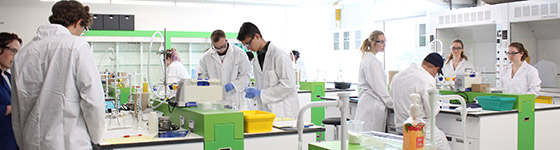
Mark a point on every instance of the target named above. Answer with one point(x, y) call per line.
point(223, 48)
point(248, 44)
point(86, 30)
point(512, 53)
point(12, 50)
point(456, 48)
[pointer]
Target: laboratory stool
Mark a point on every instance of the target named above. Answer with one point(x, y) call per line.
point(335, 121)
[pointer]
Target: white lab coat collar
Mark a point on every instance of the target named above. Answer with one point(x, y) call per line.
point(50, 30)
point(425, 74)
point(227, 56)
point(521, 69)
point(267, 55)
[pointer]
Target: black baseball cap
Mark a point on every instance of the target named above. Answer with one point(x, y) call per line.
point(436, 60)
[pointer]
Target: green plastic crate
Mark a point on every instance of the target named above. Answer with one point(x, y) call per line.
point(496, 103)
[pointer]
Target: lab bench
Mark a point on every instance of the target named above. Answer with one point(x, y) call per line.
point(488, 129)
point(277, 139)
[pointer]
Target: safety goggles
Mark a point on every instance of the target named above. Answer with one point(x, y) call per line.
point(223, 48)
point(86, 30)
point(456, 48)
point(380, 42)
point(12, 50)
point(512, 53)
point(248, 44)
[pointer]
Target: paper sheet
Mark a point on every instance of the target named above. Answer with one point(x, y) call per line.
point(133, 139)
point(288, 124)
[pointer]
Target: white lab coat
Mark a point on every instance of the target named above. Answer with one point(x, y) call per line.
point(548, 72)
point(58, 99)
point(235, 69)
point(374, 96)
point(448, 70)
point(300, 65)
point(525, 81)
point(277, 83)
point(415, 79)
point(176, 71)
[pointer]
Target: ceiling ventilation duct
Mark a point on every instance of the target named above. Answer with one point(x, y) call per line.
point(500, 1)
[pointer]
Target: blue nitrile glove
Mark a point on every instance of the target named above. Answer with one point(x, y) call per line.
point(229, 87)
point(252, 92)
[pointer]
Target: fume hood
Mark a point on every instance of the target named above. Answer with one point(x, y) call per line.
point(480, 29)
point(537, 26)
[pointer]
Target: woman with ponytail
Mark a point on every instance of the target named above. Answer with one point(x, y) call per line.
point(457, 62)
point(374, 96)
point(519, 77)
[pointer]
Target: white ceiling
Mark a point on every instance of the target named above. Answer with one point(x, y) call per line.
point(228, 2)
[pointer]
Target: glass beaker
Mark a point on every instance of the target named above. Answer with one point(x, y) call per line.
point(354, 130)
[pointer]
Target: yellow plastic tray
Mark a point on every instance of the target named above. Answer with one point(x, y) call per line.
point(258, 121)
point(544, 99)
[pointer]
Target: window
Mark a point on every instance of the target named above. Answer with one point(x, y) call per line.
point(422, 35)
point(336, 40)
point(358, 39)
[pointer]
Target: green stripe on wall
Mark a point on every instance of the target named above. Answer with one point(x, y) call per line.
point(170, 34)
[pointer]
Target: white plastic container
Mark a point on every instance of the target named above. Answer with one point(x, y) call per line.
point(153, 124)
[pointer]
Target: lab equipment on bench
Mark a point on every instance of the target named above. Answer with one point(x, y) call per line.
point(466, 79)
point(205, 92)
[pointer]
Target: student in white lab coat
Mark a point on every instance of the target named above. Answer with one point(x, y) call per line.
point(300, 65)
point(228, 63)
point(175, 69)
point(374, 95)
point(519, 77)
point(57, 98)
point(457, 62)
point(276, 89)
point(417, 79)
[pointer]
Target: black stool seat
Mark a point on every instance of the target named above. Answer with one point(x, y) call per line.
point(332, 121)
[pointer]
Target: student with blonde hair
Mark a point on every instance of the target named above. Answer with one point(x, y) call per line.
point(374, 96)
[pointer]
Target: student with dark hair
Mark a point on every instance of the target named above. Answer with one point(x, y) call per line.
point(276, 89)
point(418, 79)
point(250, 55)
point(299, 64)
point(519, 77)
point(58, 101)
point(10, 44)
point(228, 63)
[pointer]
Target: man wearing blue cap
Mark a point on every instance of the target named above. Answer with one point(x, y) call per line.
point(417, 79)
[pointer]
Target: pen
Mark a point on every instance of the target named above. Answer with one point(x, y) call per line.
point(127, 136)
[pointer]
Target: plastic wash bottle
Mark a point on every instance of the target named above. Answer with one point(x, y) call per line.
point(414, 127)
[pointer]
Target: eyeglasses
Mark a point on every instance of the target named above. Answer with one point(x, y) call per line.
point(12, 50)
point(248, 44)
point(381, 42)
point(221, 48)
point(512, 53)
point(86, 30)
point(456, 48)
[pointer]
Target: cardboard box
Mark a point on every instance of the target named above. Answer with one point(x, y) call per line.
point(480, 87)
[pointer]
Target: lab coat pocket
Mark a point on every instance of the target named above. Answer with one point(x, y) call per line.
point(272, 77)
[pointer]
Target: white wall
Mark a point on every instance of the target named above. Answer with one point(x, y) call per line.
point(305, 28)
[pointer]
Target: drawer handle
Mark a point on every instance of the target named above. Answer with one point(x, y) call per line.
point(527, 119)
